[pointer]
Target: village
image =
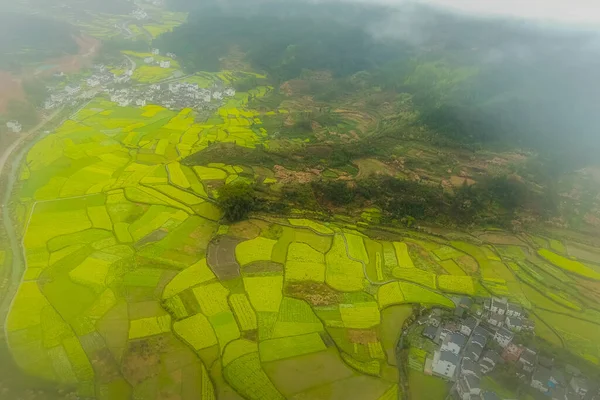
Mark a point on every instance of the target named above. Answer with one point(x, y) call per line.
point(172, 93)
point(480, 336)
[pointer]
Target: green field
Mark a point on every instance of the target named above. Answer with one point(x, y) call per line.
point(121, 223)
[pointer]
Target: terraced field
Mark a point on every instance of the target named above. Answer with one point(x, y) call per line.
point(134, 290)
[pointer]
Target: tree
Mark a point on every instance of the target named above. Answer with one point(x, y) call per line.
point(36, 91)
point(237, 201)
point(23, 112)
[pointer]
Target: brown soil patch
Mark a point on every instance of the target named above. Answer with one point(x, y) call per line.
point(142, 359)
point(250, 335)
point(362, 336)
point(316, 294)
point(244, 230)
point(581, 253)
point(221, 257)
point(468, 264)
point(284, 175)
point(501, 238)
point(155, 236)
point(234, 61)
point(105, 366)
point(102, 360)
point(10, 89)
point(263, 267)
point(590, 289)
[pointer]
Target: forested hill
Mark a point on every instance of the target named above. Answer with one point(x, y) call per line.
point(474, 82)
point(30, 38)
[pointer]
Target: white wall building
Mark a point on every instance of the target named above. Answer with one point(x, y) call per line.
point(514, 310)
point(149, 60)
point(72, 89)
point(445, 364)
point(468, 387)
point(92, 82)
point(155, 52)
point(14, 126)
point(454, 343)
point(165, 64)
point(503, 337)
point(498, 305)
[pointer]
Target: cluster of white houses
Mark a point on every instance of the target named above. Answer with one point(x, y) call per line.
point(139, 14)
point(14, 126)
point(100, 79)
point(161, 63)
point(466, 353)
point(174, 95)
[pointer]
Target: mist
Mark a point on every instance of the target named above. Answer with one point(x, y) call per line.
point(579, 14)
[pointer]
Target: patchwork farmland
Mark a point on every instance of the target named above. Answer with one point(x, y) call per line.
point(134, 289)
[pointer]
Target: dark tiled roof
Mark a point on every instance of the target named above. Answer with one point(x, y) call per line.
point(473, 350)
point(480, 330)
point(450, 357)
point(492, 355)
point(473, 381)
point(542, 375)
point(457, 338)
point(504, 332)
point(476, 338)
point(528, 357)
point(514, 321)
point(430, 331)
point(514, 307)
point(470, 322)
point(489, 396)
point(559, 376)
point(468, 365)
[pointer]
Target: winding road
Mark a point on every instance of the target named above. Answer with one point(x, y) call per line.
point(12, 276)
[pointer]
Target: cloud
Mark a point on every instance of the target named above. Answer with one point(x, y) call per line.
point(571, 13)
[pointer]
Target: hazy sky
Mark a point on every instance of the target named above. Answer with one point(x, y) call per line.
point(584, 13)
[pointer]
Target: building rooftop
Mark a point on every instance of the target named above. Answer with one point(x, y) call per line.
point(580, 382)
point(499, 301)
point(471, 322)
point(545, 361)
point(514, 307)
point(430, 331)
point(504, 332)
point(496, 317)
point(474, 350)
point(469, 365)
point(528, 357)
point(559, 376)
point(542, 375)
point(558, 393)
point(492, 355)
point(472, 381)
point(450, 357)
point(479, 339)
point(480, 330)
point(457, 338)
point(489, 396)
